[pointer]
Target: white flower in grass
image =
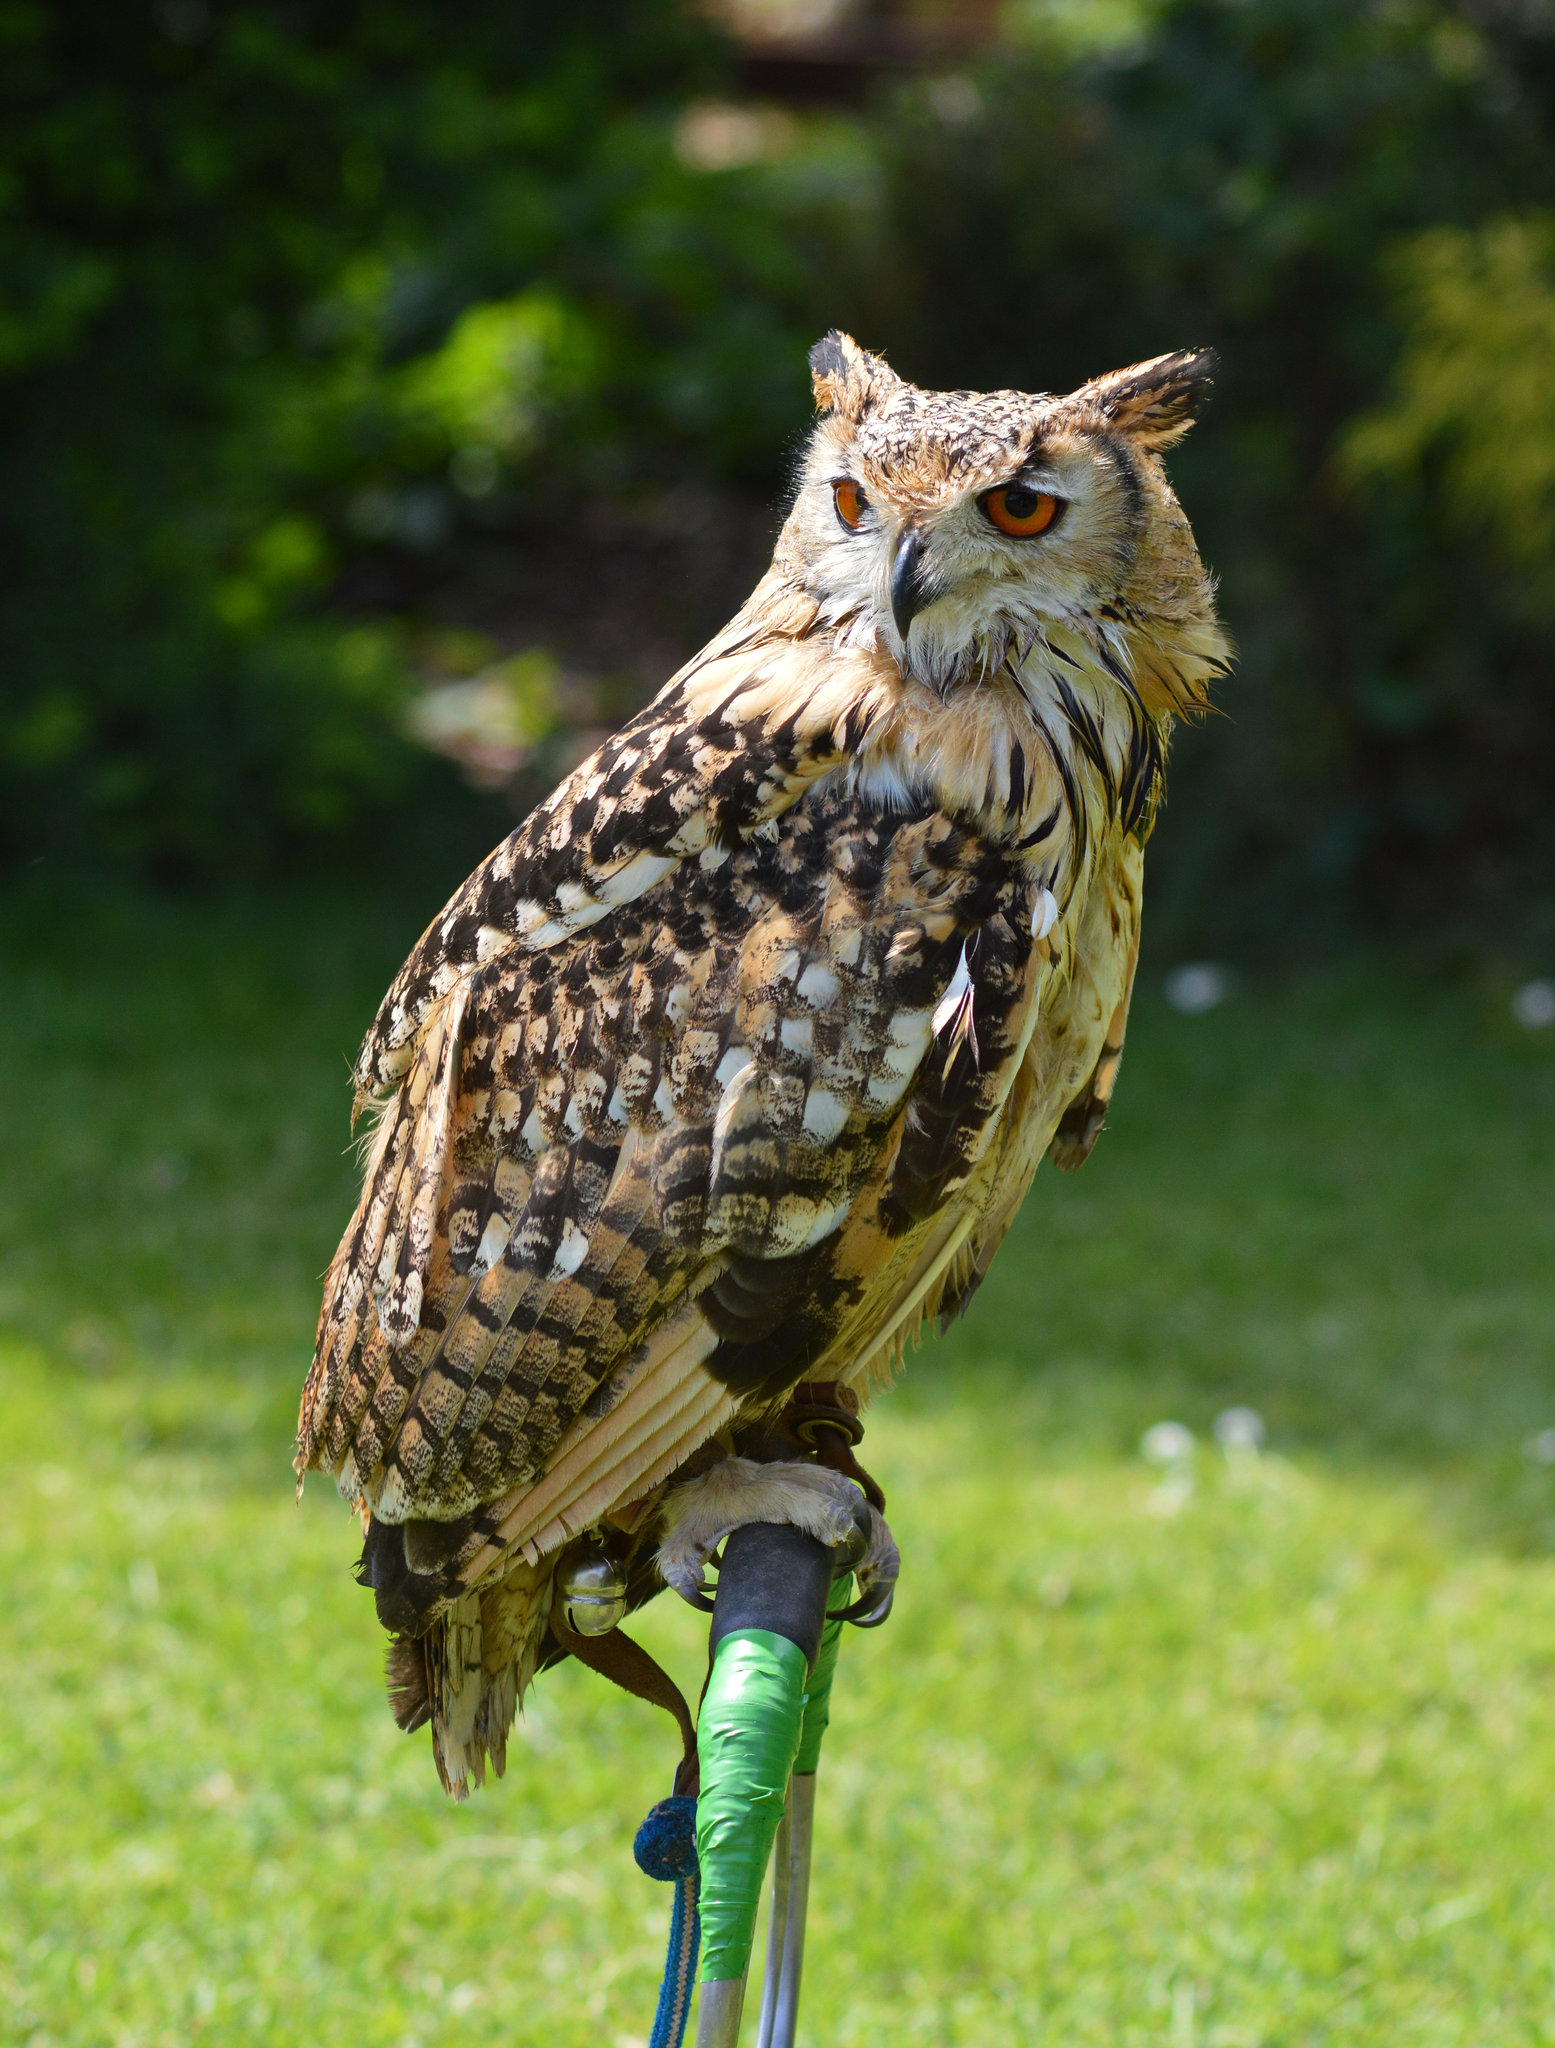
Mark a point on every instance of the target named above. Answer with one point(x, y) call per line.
point(1533, 1005)
point(1170, 1446)
point(1240, 1432)
point(1168, 1443)
point(1198, 986)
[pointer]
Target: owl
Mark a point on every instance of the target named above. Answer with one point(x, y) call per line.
point(728, 1070)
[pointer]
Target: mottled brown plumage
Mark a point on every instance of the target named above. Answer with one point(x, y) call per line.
point(732, 1064)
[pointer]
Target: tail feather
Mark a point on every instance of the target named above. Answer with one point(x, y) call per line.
point(475, 1666)
point(408, 1566)
point(410, 1686)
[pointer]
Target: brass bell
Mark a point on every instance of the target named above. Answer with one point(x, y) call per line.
point(593, 1594)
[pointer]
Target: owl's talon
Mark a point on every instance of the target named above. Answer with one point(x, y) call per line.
point(737, 1492)
point(877, 1574)
point(880, 1612)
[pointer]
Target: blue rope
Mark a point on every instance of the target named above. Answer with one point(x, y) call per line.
point(666, 1848)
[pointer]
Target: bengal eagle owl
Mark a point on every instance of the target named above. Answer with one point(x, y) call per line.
point(732, 1064)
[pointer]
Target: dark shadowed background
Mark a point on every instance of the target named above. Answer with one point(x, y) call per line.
point(351, 351)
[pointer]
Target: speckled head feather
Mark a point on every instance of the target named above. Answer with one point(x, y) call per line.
point(924, 462)
point(970, 438)
point(731, 1065)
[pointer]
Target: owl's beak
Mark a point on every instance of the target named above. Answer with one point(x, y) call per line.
point(910, 588)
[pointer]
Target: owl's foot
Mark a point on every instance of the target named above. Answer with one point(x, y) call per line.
point(738, 1491)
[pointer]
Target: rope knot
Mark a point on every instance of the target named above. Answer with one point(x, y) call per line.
point(666, 1844)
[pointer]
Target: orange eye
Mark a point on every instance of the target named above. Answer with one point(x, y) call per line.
point(1022, 511)
point(850, 501)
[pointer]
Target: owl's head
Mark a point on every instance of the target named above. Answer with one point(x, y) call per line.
point(954, 524)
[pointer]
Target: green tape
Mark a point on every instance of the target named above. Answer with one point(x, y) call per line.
point(817, 1705)
point(747, 1736)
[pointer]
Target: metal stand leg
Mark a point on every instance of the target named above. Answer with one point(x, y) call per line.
point(719, 2006)
point(777, 1926)
point(769, 1619)
point(790, 1901)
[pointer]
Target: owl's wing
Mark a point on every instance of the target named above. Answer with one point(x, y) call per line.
point(729, 744)
point(1088, 1007)
point(1106, 959)
point(654, 1172)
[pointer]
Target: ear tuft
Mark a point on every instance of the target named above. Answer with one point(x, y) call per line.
point(846, 377)
point(1155, 402)
point(829, 361)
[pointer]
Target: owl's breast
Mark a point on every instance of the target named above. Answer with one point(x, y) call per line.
point(1062, 1058)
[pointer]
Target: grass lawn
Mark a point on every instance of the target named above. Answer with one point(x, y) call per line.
point(1259, 1753)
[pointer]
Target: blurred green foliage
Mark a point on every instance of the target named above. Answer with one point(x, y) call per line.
point(299, 303)
point(1246, 173)
point(281, 282)
point(1472, 389)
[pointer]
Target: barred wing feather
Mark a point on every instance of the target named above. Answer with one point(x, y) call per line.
point(657, 1172)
